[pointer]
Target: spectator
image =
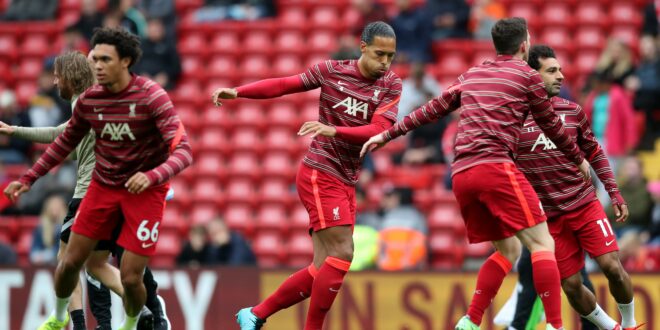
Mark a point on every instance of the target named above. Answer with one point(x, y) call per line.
point(654, 230)
point(31, 10)
point(349, 49)
point(645, 83)
point(124, 13)
point(651, 21)
point(610, 111)
point(45, 237)
point(74, 40)
point(366, 216)
point(160, 58)
point(399, 211)
point(197, 251)
point(483, 16)
point(12, 150)
point(240, 10)
point(633, 189)
point(8, 256)
point(163, 10)
point(417, 89)
point(413, 31)
point(449, 17)
point(90, 18)
point(47, 108)
point(370, 11)
point(365, 239)
point(617, 58)
point(229, 247)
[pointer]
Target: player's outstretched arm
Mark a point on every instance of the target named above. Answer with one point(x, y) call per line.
point(596, 156)
point(355, 135)
point(262, 89)
point(34, 134)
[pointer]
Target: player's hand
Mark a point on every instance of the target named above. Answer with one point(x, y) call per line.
point(15, 189)
point(585, 169)
point(621, 212)
point(373, 143)
point(317, 128)
point(138, 183)
point(223, 93)
point(6, 129)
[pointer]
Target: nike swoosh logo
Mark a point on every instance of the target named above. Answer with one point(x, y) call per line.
point(528, 123)
point(334, 290)
point(97, 110)
point(146, 246)
point(609, 243)
point(341, 83)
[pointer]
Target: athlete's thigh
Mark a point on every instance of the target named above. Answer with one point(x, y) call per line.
point(142, 213)
point(594, 231)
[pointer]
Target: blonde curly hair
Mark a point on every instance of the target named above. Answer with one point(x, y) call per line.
point(75, 70)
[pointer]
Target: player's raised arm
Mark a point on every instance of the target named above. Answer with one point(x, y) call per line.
point(74, 132)
point(33, 134)
point(262, 89)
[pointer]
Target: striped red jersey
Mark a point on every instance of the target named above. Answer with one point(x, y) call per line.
point(494, 99)
point(134, 131)
point(347, 99)
point(556, 180)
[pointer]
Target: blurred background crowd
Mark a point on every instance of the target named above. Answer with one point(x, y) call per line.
point(237, 205)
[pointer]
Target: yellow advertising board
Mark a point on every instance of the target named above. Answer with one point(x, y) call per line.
point(426, 301)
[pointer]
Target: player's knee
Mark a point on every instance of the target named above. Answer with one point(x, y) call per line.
point(343, 251)
point(131, 280)
point(572, 286)
point(613, 270)
point(70, 265)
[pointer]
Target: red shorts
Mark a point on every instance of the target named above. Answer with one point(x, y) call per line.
point(100, 213)
point(496, 201)
point(329, 201)
point(584, 229)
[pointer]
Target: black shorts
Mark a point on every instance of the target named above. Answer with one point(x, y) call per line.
point(65, 233)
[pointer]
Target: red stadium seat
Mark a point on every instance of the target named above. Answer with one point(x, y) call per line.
point(257, 43)
point(214, 117)
point(250, 115)
point(278, 165)
point(246, 140)
point(324, 17)
point(225, 42)
point(29, 69)
point(193, 44)
point(558, 38)
point(188, 116)
point(24, 244)
point(209, 166)
point(291, 17)
point(245, 166)
point(167, 248)
point(591, 13)
point(275, 191)
point(556, 14)
point(25, 90)
point(240, 217)
point(69, 4)
point(272, 218)
point(299, 219)
point(173, 219)
point(68, 17)
point(446, 218)
point(624, 13)
point(290, 42)
point(524, 9)
point(280, 139)
point(452, 64)
point(193, 66)
point(255, 66)
point(8, 48)
point(269, 250)
point(190, 92)
point(628, 34)
point(213, 140)
point(322, 41)
point(222, 67)
point(282, 115)
point(590, 38)
point(479, 250)
point(300, 250)
point(202, 214)
point(207, 192)
point(586, 61)
point(287, 65)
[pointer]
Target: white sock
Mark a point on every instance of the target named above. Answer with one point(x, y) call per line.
point(130, 322)
point(61, 308)
point(600, 319)
point(627, 314)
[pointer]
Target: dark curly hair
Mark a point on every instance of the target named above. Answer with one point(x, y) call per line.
point(539, 52)
point(508, 34)
point(377, 29)
point(126, 43)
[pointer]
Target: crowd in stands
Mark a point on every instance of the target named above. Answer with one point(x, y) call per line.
point(620, 97)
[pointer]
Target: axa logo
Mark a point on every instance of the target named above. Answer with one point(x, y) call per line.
point(545, 142)
point(117, 131)
point(354, 106)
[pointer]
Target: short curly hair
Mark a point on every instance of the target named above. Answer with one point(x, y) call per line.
point(126, 43)
point(75, 70)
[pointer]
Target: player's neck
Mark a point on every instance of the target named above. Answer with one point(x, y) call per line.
point(121, 83)
point(362, 70)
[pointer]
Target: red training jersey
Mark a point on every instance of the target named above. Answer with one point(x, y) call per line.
point(134, 132)
point(495, 99)
point(556, 180)
point(347, 99)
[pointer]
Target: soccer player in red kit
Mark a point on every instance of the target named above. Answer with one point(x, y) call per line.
point(496, 201)
point(576, 218)
point(135, 126)
point(359, 98)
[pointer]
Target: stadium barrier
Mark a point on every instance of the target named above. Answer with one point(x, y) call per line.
point(207, 298)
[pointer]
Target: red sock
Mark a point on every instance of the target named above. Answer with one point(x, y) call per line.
point(325, 289)
point(295, 289)
point(548, 285)
point(490, 279)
